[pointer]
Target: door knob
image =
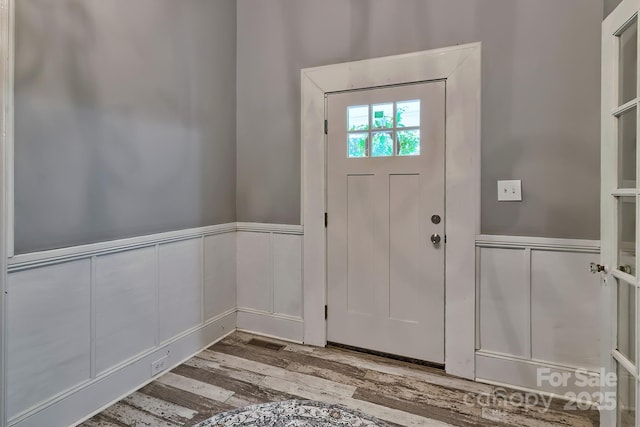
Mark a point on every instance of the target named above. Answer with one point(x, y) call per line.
point(597, 268)
point(435, 239)
point(626, 269)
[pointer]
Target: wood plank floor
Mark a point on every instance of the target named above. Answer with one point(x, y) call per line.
point(244, 369)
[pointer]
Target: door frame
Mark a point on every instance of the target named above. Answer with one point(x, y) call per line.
point(460, 66)
point(7, 32)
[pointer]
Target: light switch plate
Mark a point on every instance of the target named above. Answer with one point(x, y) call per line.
point(510, 191)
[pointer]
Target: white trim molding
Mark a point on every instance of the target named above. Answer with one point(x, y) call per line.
point(544, 243)
point(7, 22)
point(53, 256)
point(258, 227)
point(460, 67)
point(6, 180)
point(275, 325)
point(513, 372)
point(34, 259)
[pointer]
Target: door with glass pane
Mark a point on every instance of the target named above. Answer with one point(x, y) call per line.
point(386, 219)
point(619, 215)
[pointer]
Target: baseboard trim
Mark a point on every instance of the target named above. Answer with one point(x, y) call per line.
point(275, 325)
point(523, 389)
point(268, 336)
point(88, 398)
point(534, 362)
point(521, 374)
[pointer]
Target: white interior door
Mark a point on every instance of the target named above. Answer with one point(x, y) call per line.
point(619, 212)
point(386, 219)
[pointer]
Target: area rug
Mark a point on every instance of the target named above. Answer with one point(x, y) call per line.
point(292, 413)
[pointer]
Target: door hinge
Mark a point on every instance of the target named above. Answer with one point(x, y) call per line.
point(326, 312)
point(326, 220)
point(445, 238)
point(326, 127)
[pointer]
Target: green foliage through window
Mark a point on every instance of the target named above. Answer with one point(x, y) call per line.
point(408, 142)
point(382, 143)
point(358, 144)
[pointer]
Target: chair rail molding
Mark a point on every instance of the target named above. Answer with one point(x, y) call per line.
point(54, 256)
point(460, 67)
point(545, 243)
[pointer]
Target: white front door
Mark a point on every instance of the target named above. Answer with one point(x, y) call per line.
point(386, 219)
point(620, 194)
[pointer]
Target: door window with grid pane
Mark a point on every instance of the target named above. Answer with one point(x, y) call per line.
point(384, 130)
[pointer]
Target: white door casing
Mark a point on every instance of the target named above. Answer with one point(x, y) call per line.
point(620, 215)
point(385, 276)
point(7, 19)
point(460, 66)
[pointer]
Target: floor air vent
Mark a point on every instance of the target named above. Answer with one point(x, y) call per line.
point(266, 344)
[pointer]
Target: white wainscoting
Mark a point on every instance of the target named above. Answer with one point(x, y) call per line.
point(86, 323)
point(538, 306)
point(269, 279)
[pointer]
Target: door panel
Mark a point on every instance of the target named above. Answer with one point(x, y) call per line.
point(360, 235)
point(619, 212)
point(385, 176)
point(404, 248)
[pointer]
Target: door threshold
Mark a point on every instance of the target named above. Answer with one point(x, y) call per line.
point(387, 355)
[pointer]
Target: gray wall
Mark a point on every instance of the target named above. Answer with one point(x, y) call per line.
point(125, 118)
point(609, 5)
point(541, 97)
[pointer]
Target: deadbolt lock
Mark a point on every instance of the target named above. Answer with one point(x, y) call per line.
point(435, 219)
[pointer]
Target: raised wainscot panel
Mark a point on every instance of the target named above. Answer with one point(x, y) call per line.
point(504, 301)
point(219, 274)
point(125, 306)
point(565, 308)
point(287, 274)
point(254, 271)
point(48, 338)
point(180, 287)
